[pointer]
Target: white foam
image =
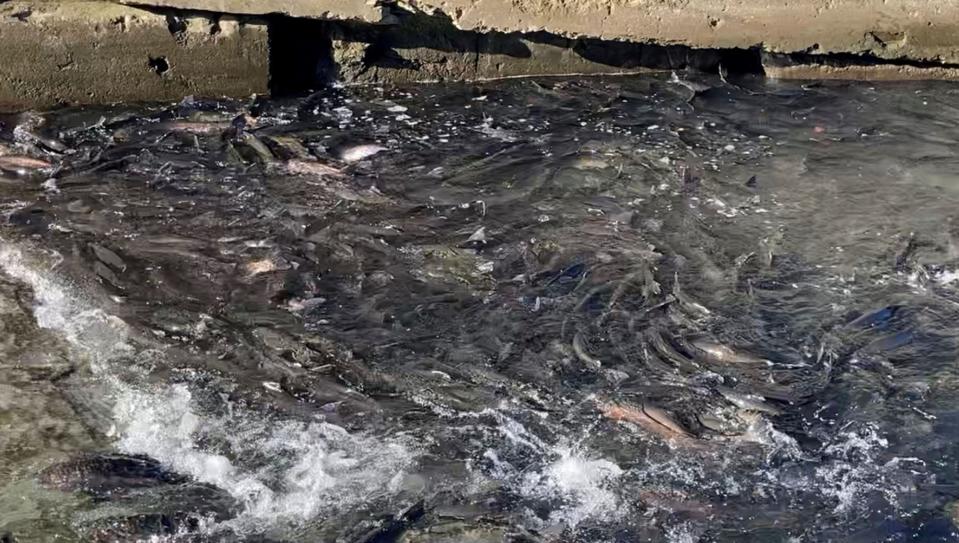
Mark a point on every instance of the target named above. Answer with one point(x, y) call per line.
point(310, 468)
point(850, 472)
point(777, 443)
point(98, 335)
point(582, 483)
point(577, 485)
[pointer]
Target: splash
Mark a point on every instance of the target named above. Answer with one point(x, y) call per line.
point(315, 468)
point(581, 483)
point(577, 486)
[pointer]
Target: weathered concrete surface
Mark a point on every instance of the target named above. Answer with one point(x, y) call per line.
point(915, 29)
point(812, 67)
point(367, 11)
point(424, 48)
point(921, 29)
point(883, 72)
point(421, 47)
point(80, 52)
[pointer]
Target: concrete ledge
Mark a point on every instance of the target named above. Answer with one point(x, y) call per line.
point(882, 72)
point(92, 52)
point(917, 29)
point(367, 11)
point(853, 67)
point(890, 29)
point(429, 48)
point(54, 53)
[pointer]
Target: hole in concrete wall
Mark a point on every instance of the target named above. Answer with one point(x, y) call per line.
point(159, 65)
point(301, 55)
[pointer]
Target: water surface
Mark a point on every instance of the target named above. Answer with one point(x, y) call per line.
point(542, 310)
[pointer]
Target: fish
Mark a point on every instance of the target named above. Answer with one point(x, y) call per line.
point(768, 247)
point(686, 302)
point(288, 147)
point(647, 416)
point(50, 144)
point(674, 501)
point(315, 168)
point(23, 165)
point(251, 142)
point(696, 88)
point(106, 474)
point(665, 350)
point(891, 342)
point(650, 286)
point(143, 527)
point(581, 353)
point(356, 153)
point(390, 528)
point(108, 257)
point(713, 423)
point(749, 402)
point(877, 318)
point(198, 128)
point(567, 274)
point(715, 352)
point(107, 274)
point(257, 267)
point(905, 257)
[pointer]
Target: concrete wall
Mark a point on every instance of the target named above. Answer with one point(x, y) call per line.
point(55, 53)
point(916, 29)
point(77, 51)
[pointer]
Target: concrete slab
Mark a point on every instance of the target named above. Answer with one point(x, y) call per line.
point(85, 52)
point(914, 29)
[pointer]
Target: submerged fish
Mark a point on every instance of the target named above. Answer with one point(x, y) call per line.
point(686, 302)
point(891, 342)
point(647, 416)
point(108, 257)
point(288, 147)
point(723, 354)
point(356, 153)
point(104, 474)
point(315, 168)
point(582, 354)
point(106, 274)
point(198, 128)
point(749, 402)
point(23, 165)
point(876, 318)
point(257, 267)
point(21, 133)
point(566, 275)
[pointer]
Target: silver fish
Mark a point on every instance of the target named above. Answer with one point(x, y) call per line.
point(723, 354)
point(356, 153)
point(749, 402)
point(108, 257)
point(23, 165)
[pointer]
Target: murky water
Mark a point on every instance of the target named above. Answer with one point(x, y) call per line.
point(552, 310)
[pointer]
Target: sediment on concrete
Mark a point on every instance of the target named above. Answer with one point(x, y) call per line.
point(54, 53)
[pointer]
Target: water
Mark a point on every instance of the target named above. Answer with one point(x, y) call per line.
point(531, 310)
